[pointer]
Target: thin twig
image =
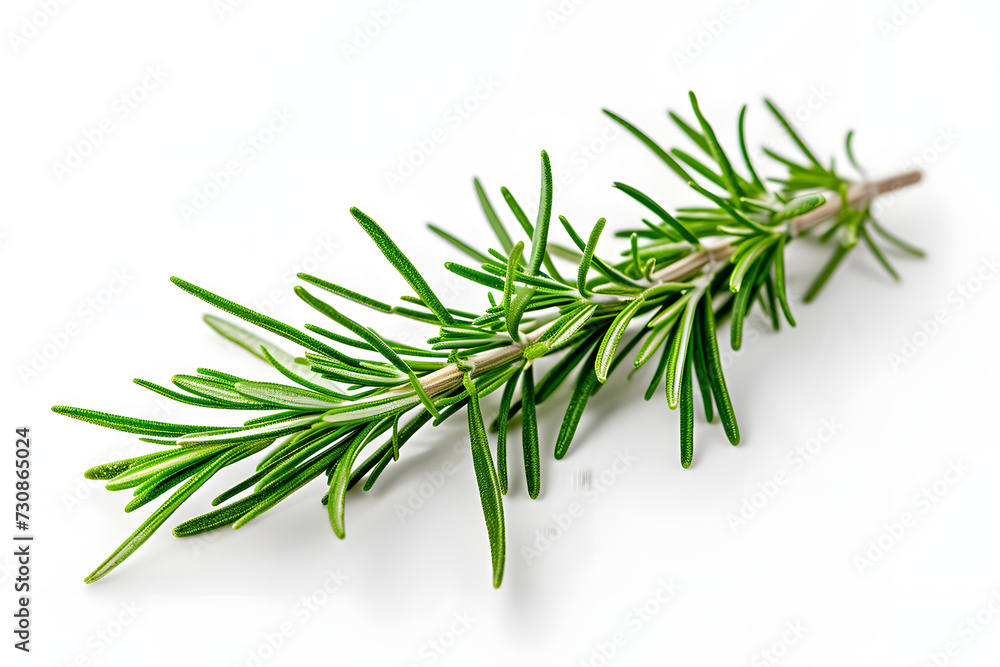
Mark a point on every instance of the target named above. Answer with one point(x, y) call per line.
point(858, 194)
point(450, 376)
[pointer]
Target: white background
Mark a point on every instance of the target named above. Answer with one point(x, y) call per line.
point(917, 80)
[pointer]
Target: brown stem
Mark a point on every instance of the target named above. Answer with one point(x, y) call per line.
point(859, 194)
point(450, 376)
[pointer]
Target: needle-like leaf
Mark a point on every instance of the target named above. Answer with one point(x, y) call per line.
point(486, 478)
point(403, 265)
point(492, 218)
point(540, 237)
point(529, 433)
point(660, 211)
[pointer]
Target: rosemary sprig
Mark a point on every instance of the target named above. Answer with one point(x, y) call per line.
point(680, 274)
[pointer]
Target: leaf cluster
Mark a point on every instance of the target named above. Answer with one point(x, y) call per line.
point(345, 404)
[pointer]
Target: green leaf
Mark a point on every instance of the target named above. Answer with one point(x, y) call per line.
point(733, 212)
point(467, 249)
point(652, 145)
point(561, 331)
point(509, 287)
point(523, 278)
point(606, 351)
point(364, 410)
point(505, 401)
point(602, 267)
point(745, 296)
point(346, 293)
point(746, 152)
point(687, 416)
point(195, 400)
point(403, 265)
point(661, 367)
point(155, 520)
point(701, 168)
point(289, 397)
point(798, 206)
point(129, 424)
point(541, 234)
point(486, 478)
point(588, 256)
point(263, 321)
point(337, 496)
point(656, 338)
point(850, 153)
point(713, 362)
point(660, 211)
point(114, 468)
point(826, 272)
point(248, 434)
point(895, 240)
point(878, 253)
point(405, 434)
point(485, 279)
point(522, 298)
point(372, 339)
point(694, 135)
point(219, 390)
point(176, 459)
point(745, 261)
point(491, 217)
point(529, 433)
point(582, 391)
point(529, 229)
point(779, 280)
point(238, 335)
point(728, 175)
point(303, 375)
point(792, 133)
point(701, 371)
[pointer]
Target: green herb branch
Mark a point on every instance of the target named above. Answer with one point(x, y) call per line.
point(658, 301)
